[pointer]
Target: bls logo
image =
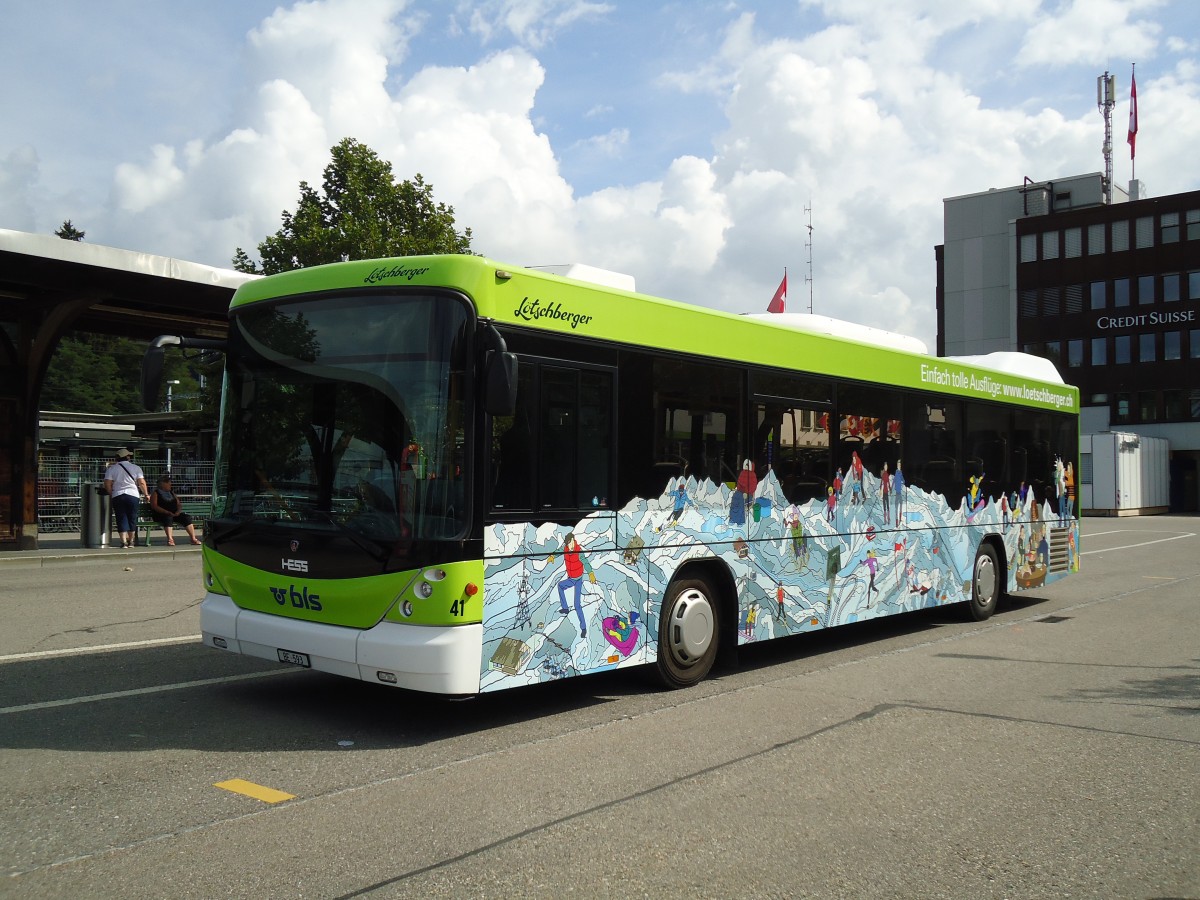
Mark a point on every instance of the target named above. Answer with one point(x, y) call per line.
point(300, 599)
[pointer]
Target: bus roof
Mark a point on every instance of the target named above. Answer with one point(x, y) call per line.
point(545, 301)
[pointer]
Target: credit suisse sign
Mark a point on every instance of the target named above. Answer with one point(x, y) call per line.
point(1121, 323)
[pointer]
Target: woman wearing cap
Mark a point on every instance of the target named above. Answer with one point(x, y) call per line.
point(126, 484)
point(167, 510)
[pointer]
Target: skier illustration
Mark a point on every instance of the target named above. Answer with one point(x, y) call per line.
point(872, 564)
point(855, 476)
point(682, 502)
point(795, 527)
point(885, 487)
point(898, 486)
point(751, 618)
point(975, 491)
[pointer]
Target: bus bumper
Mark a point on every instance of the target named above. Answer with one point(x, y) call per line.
point(439, 660)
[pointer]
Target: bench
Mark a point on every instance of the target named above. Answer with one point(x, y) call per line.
point(197, 509)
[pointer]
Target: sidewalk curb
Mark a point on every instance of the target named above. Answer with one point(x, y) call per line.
point(40, 558)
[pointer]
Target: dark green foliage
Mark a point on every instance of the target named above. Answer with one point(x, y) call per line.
point(69, 232)
point(363, 213)
point(100, 373)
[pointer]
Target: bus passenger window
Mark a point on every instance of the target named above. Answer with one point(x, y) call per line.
point(555, 451)
point(697, 421)
point(512, 449)
point(793, 442)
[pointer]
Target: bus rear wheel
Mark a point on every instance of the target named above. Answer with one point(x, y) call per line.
point(985, 584)
point(688, 633)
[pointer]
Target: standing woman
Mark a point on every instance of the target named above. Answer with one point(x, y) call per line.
point(125, 482)
point(167, 510)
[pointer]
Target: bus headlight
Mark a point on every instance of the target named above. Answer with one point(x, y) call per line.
point(406, 609)
point(423, 589)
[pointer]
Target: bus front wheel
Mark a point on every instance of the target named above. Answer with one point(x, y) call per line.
point(688, 633)
point(985, 584)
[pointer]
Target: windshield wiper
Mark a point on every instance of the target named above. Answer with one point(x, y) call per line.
point(371, 549)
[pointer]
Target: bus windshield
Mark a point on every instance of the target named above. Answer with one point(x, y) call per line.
point(347, 413)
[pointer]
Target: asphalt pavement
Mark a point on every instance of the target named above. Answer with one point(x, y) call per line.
point(1052, 751)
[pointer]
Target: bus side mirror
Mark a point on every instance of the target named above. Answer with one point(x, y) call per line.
point(500, 383)
point(152, 370)
point(152, 363)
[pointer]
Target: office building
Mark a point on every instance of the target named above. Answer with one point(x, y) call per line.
point(1108, 290)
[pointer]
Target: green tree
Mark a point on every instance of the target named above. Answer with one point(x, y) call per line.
point(93, 373)
point(362, 212)
point(69, 232)
point(101, 373)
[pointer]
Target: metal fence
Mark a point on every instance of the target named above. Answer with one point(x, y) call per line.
point(61, 482)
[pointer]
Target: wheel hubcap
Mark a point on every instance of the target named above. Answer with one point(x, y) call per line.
point(691, 632)
point(985, 580)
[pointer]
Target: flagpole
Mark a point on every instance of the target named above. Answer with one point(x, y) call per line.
point(1133, 147)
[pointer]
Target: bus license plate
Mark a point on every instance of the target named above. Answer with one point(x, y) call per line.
point(292, 658)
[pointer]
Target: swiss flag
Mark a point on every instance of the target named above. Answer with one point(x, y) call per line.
point(1132, 116)
point(780, 296)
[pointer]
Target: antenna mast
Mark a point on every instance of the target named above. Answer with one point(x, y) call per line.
point(808, 279)
point(1106, 99)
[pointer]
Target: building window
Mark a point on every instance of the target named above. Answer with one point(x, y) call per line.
point(1146, 347)
point(1096, 239)
point(1053, 353)
point(1193, 224)
point(1098, 400)
point(1033, 348)
point(1073, 242)
point(1085, 468)
point(1052, 301)
point(1181, 405)
point(1148, 406)
point(1194, 344)
point(1170, 288)
point(1074, 295)
point(1120, 292)
point(1121, 413)
point(1049, 245)
point(1074, 354)
point(1100, 353)
point(1028, 248)
point(1172, 345)
point(1029, 304)
point(1169, 222)
point(1144, 230)
point(1175, 405)
point(1120, 236)
point(1145, 289)
point(1194, 285)
point(1123, 346)
point(1099, 295)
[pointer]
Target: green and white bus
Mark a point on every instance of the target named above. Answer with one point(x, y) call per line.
point(453, 475)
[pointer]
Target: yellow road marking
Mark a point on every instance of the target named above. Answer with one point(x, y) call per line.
point(257, 791)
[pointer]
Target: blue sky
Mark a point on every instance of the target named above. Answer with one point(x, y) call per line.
point(677, 142)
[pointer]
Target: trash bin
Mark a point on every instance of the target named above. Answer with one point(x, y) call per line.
point(93, 514)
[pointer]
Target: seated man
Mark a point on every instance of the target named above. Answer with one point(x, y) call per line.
point(167, 509)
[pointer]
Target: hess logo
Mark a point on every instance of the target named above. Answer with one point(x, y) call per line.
point(294, 565)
